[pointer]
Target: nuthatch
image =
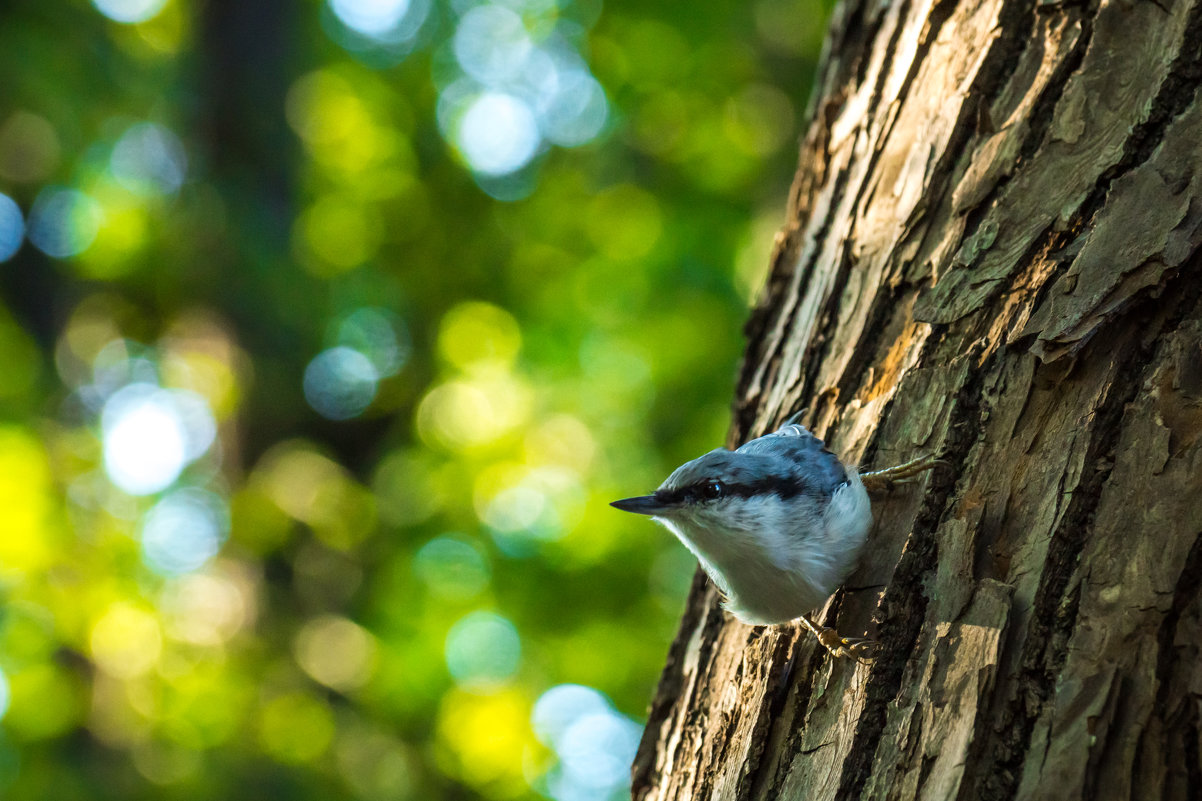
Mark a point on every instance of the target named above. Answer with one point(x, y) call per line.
point(777, 525)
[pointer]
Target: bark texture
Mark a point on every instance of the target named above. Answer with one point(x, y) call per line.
point(992, 254)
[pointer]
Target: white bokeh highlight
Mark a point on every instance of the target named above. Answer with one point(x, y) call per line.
point(594, 743)
point(576, 113)
point(497, 134)
point(381, 27)
point(491, 44)
point(183, 531)
point(370, 17)
point(129, 11)
point(151, 434)
point(516, 92)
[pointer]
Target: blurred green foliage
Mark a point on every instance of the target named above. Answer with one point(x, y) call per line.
point(328, 330)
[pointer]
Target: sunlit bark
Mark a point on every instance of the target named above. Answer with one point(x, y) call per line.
point(991, 254)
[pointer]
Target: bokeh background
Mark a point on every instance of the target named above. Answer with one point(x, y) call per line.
point(327, 332)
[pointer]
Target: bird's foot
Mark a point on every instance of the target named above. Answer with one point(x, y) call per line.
point(885, 480)
point(861, 649)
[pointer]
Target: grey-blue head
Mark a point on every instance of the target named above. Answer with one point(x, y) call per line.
point(789, 463)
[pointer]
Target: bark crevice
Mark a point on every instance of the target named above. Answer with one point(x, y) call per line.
point(1056, 600)
point(902, 610)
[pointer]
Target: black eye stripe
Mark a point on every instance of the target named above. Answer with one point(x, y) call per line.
point(696, 493)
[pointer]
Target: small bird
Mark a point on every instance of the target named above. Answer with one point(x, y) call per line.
point(777, 525)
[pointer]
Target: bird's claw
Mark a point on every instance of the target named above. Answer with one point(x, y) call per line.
point(862, 649)
point(859, 648)
point(879, 481)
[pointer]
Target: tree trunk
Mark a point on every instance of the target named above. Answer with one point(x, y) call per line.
point(991, 255)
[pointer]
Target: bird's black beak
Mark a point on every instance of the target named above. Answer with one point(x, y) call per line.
point(642, 505)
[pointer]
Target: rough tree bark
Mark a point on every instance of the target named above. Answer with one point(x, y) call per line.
point(992, 254)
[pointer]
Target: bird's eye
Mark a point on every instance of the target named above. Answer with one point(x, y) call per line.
point(712, 489)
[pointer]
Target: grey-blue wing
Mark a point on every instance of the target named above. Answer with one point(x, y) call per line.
point(801, 453)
